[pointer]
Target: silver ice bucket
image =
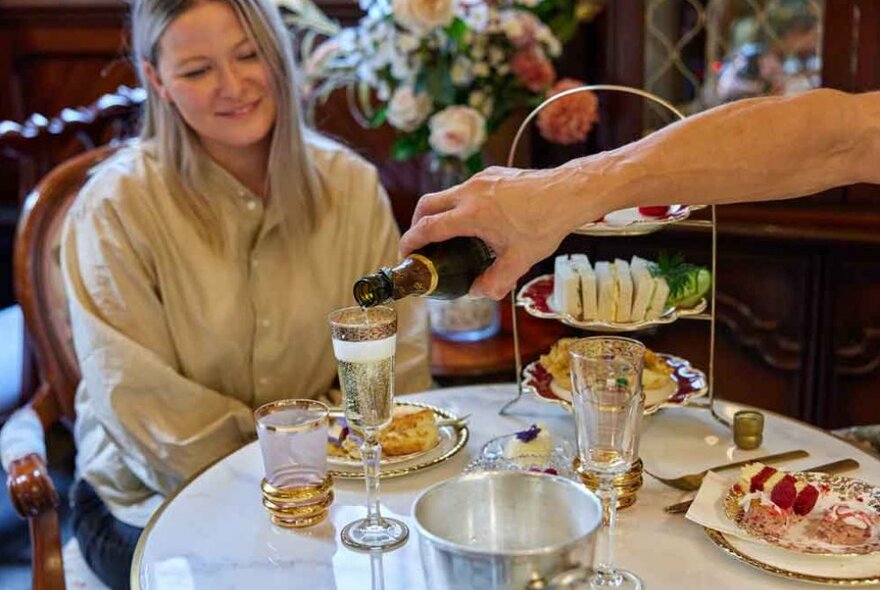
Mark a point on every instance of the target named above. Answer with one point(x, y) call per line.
point(504, 530)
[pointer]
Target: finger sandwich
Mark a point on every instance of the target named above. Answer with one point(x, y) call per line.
point(607, 292)
point(567, 286)
point(643, 288)
point(574, 286)
point(624, 283)
point(657, 307)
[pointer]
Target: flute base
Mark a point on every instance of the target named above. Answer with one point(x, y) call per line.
point(588, 579)
point(387, 535)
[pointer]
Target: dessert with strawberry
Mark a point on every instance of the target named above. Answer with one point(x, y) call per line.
point(655, 211)
point(810, 513)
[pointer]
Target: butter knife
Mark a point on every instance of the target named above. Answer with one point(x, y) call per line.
point(834, 467)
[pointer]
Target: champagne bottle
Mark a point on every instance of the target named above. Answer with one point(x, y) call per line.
point(443, 270)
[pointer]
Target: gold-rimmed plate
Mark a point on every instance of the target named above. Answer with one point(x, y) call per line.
point(635, 222)
point(830, 570)
point(453, 437)
point(685, 384)
point(536, 298)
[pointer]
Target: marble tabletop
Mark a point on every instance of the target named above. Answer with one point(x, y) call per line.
point(215, 533)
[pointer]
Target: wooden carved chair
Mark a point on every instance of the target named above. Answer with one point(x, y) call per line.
point(29, 150)
point(40, 293)
point(40, 290)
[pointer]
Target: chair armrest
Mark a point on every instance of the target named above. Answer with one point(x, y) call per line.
point(30, 487)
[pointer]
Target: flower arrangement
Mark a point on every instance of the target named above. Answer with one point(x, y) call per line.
point(446, 73)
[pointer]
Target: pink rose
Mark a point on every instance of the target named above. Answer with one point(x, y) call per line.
point(521, 28)
point(568, 120)
point(533, 69)
point(457, 131)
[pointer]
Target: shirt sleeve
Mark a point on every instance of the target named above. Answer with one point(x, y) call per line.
point(167, 426)
point(412, 360)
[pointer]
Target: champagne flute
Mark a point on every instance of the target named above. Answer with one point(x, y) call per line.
point(363, 342)
point(606, 378)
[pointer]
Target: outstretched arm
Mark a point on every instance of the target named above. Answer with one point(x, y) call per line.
point(750, 150)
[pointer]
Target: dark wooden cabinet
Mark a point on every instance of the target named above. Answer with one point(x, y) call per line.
point(798, 282)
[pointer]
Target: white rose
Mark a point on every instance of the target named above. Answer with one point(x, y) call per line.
point(420, 16)
point(407, 43)
point(407, 110)
point(457, 131)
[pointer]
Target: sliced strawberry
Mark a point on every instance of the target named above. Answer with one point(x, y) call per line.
point(758, 481)
point(654, 211)
point(806, 500)
point(784, 492)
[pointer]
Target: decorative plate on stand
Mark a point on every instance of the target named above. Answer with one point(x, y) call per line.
point(685, 384)
point(536, 297)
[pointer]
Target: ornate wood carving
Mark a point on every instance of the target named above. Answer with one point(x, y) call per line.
point(37, 143)
point(760, 335)
point(859, 359)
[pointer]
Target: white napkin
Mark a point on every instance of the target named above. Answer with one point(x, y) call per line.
point(708, 511)
point(708, 507)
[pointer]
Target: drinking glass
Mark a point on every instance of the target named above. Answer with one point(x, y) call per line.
point(606, 378)
point(363, 342)
point(297, 490)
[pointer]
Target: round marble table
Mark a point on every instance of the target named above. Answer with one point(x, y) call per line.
point(215, 533)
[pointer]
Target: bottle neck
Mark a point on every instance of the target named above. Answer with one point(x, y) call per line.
point(415, 275)
point(374, 289)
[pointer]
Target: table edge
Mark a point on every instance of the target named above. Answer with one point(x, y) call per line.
point(134, 576)
point(134, 573)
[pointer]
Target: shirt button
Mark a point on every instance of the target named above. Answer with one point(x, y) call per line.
point(263, 380)
point(251, 205)
point(255, 262)
point(265, 323)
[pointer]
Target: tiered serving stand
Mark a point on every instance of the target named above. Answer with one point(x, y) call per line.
point(705, 311)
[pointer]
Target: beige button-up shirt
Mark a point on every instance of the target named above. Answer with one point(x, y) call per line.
point(178, 344)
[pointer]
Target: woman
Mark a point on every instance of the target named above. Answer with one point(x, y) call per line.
point(751, 150)
point(201, 262)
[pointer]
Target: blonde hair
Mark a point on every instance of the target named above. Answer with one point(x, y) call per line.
point(291, 176)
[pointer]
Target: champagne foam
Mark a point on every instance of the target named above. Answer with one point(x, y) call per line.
point(364, 351)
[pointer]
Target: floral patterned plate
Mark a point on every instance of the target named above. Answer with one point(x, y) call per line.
point(686, 383)
point(844, 521)
point(453, 437)
point(632, 222)
point(536, 297)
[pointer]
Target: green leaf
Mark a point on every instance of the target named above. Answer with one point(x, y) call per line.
point(379, 116)
point(684, 280)
point(456, 30)
point(409, 145)
point(421, 82)
point(565, 26)
point(438, 83)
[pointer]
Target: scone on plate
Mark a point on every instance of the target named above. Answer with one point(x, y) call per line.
point(412, 430)
point(656, 374)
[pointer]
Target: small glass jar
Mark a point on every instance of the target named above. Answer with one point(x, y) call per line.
point(466, 319)
point(748, 429)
